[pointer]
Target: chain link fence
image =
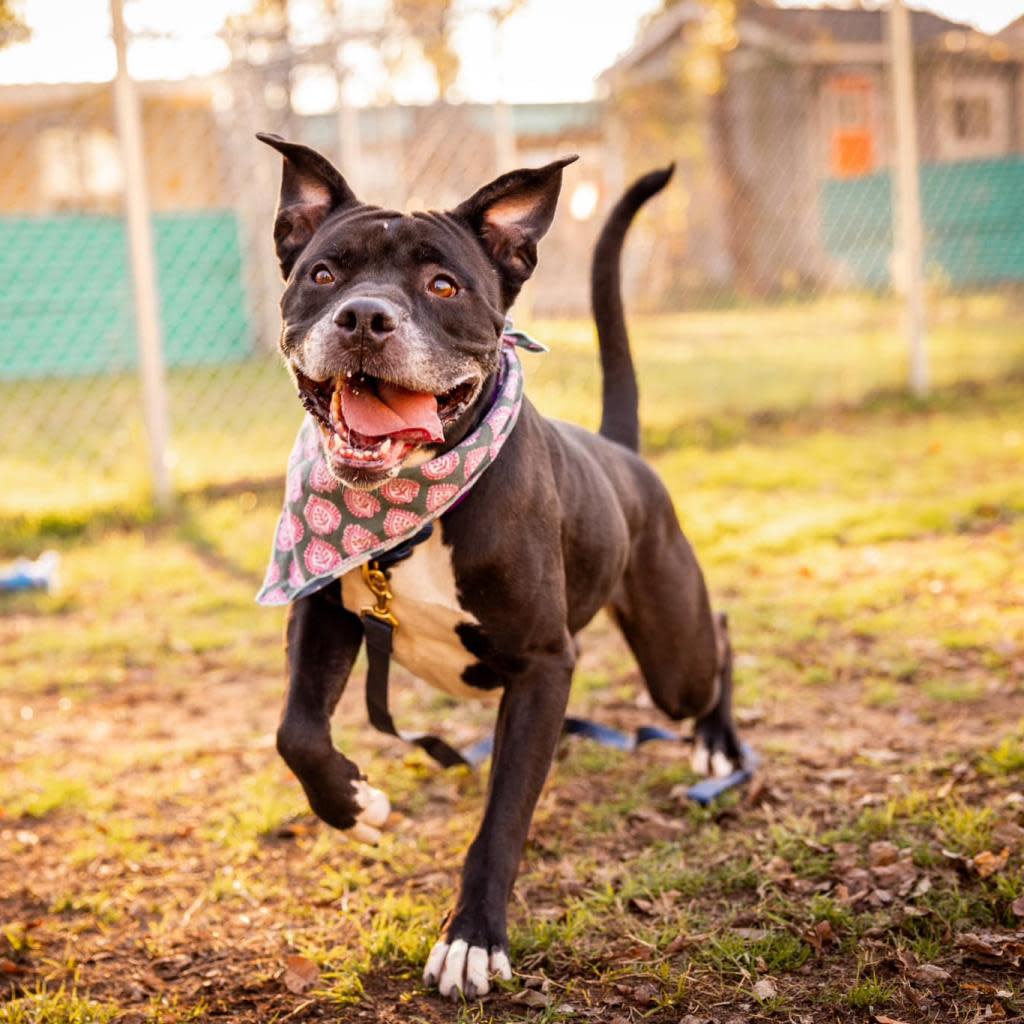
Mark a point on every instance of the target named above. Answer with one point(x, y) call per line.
point(774, 270)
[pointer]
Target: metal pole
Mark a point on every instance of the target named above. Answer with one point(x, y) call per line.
point(907, 195)
point(350, 155)
point(504, 127)
point(350, 148)
point(140, 249)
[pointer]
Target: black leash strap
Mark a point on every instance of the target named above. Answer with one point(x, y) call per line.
point(378, 653)
point(379, 624)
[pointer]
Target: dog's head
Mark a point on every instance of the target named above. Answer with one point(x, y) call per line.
point(392, 323)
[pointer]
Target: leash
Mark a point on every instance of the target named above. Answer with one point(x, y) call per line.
point(379, 625)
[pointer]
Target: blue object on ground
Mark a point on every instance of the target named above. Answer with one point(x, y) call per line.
point(707, 790)
point(703, 792)
point(25, 574)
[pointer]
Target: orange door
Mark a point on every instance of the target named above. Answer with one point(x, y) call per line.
point(852, 140)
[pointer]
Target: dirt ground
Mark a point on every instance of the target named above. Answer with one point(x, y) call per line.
point(157, 861)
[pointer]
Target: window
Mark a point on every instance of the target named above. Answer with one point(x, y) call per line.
point(79, 169)
point(973, 117)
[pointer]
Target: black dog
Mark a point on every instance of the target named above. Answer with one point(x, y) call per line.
point(564, 523)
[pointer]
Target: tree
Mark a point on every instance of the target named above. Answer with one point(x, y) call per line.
point(430, 23)
point(12, 28)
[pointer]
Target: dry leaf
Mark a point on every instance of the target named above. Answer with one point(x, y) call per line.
point(641, 906)
point(930, 974)
point(987, 863)
point(765, 989)
point(882, 853)
point(880, 1018)
point(1018, 906)
point(980, 948)
point(300, 974)
point(823, 935)
point(532, 998)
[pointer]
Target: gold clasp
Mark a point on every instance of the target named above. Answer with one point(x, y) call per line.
point(377, 580)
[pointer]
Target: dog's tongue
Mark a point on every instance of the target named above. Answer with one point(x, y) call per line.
point(393, 411)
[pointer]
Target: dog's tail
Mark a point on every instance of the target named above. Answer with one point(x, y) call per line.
point(620, 415)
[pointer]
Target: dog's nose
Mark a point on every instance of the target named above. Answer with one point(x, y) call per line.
point(371, 319)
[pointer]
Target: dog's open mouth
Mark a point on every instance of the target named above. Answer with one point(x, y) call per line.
point(372, 425)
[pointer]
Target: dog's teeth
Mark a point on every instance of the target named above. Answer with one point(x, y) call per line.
point(386, 446)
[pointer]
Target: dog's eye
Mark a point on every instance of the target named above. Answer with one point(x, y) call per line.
point(321, 275)
point(441, 286)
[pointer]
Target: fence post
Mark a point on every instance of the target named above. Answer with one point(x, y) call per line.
point(350, 143)
point(140, 250)
point(907, 195)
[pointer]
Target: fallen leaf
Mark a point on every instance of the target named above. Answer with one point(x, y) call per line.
point(640, 995)
point(641, 906)
point(930, 974)
point(882, 853)
point(958, 860)
point(880, 1018)
point(1009, 834)
point(300, 974)
point(294, 829)
point(987, 863)
point(765, 989)
point(923, 886)
point(532, 998)
point(10, 967)
point(979, 948)
point(1018, 906)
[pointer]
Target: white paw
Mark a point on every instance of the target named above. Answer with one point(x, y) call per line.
point(721, 766)
point(375, 810)
point(461, 968)
point(700, 759)
point(716, 764)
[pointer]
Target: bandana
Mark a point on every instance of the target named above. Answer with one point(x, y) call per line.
point(327, 529)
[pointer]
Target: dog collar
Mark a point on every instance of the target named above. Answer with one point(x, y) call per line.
point(326, 529)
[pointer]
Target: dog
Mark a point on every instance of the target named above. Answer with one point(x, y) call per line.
point(410, 309)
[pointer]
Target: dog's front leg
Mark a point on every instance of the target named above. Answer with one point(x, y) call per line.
point(323, 641)
point(474, 945)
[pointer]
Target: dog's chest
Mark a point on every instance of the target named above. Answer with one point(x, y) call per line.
point(427, 607)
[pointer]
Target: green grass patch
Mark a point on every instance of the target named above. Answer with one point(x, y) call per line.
point(57, 1007)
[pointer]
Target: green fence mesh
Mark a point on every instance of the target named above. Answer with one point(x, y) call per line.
point(66, 301)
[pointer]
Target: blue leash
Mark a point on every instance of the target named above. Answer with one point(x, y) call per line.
point(378, 631)
point(704, 792)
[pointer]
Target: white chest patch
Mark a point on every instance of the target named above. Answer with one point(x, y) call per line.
point(427, 607)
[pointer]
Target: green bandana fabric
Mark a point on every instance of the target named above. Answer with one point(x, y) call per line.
point(326, 529)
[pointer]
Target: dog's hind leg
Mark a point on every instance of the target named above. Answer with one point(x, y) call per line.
point(663, 610)
point(716, 745)
point(323, 641)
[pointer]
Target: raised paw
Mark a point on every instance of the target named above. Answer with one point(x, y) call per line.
point(375, 810)
point(458, 968)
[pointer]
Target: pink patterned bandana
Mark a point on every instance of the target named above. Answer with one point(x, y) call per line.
point(326, 529)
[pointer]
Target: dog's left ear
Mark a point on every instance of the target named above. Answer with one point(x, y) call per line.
point(311, 188)
point(511, 215)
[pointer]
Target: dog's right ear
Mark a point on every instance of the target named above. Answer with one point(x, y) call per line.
point(311, 188)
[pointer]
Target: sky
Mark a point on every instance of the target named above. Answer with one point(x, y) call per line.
point(551, 50)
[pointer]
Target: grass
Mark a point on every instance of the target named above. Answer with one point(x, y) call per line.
point(158, 861)
point(705, 375)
